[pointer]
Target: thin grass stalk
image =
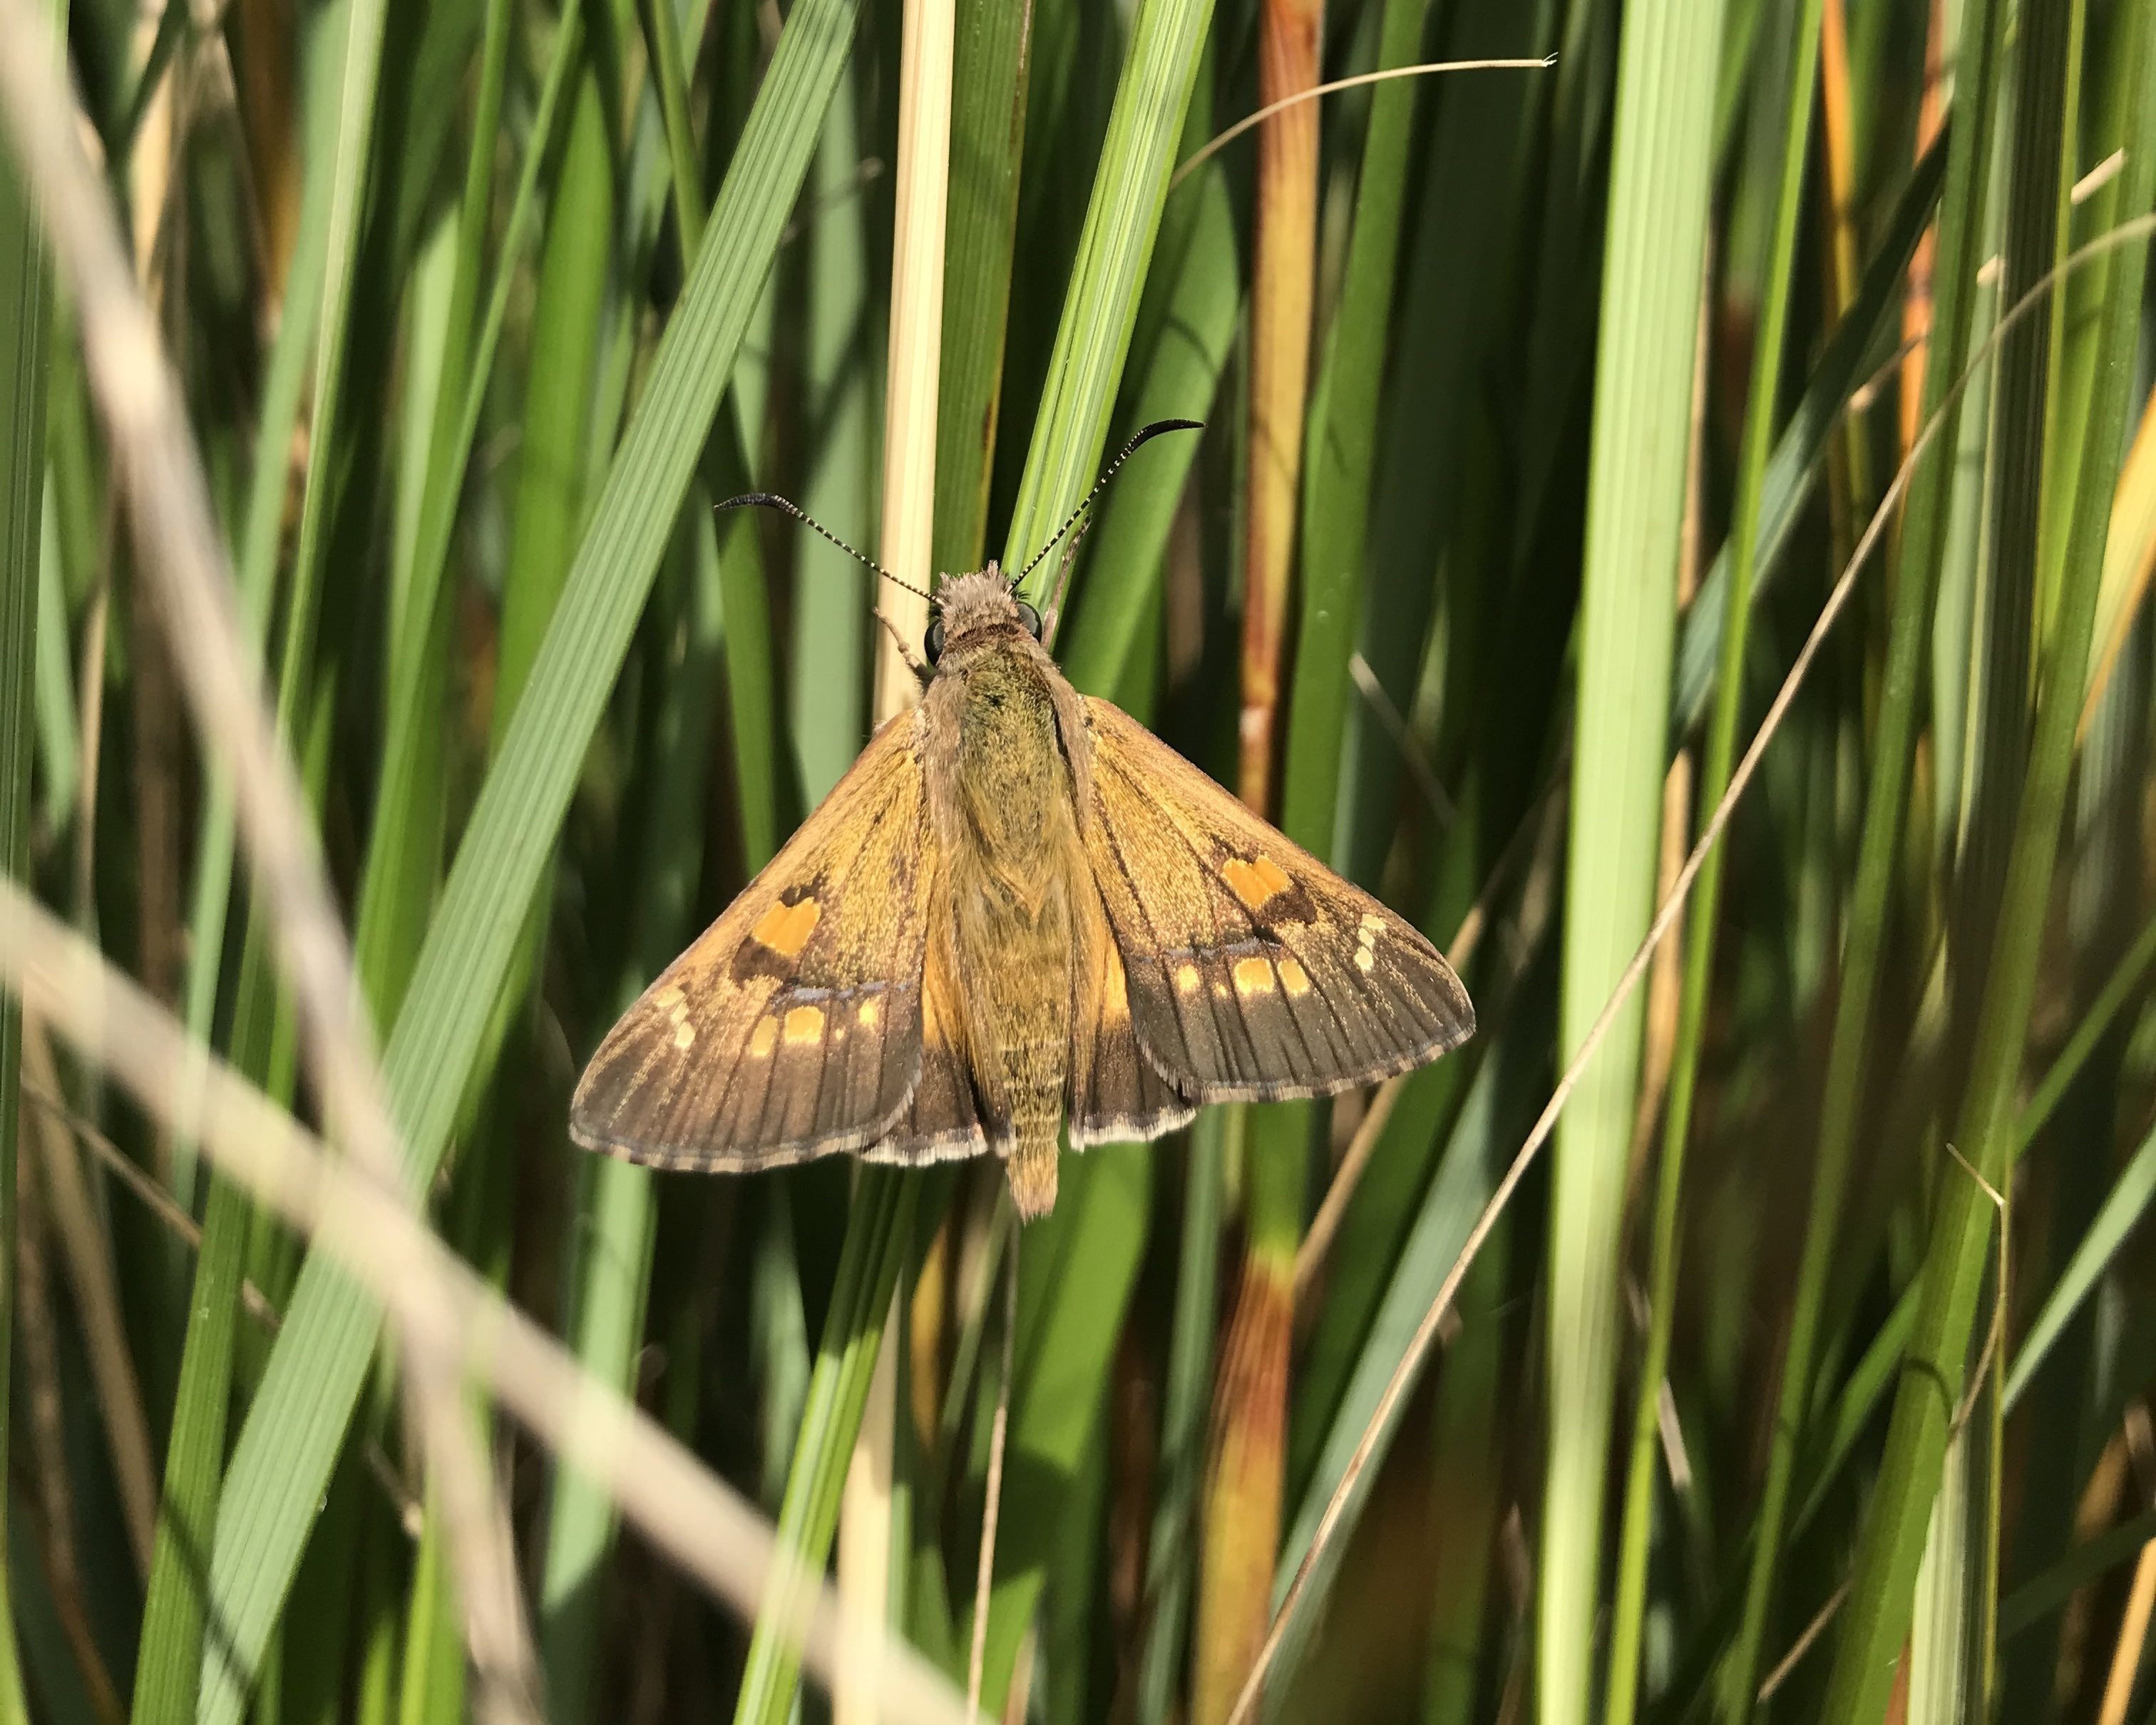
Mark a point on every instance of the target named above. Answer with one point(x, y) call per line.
point(878, 1223)
point(284, 1454)
point(1803, 20)
point(170, 1651)
point(1170, 1549)
point(25, 360)
point(1246, 1475)
point(1660, 182)
point(1925, 516)
point(261, 537)
point(1930, 1388)
point(914, 359)
point(2033, 242)
point(404, 846)
point(831, 593)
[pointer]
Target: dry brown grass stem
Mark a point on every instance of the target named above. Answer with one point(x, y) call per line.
point(445, 1318)
point(181, 557)
point(1220, 141)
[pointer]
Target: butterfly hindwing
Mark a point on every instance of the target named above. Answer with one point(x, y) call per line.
point(943, 1120)
point(1117, 1095)
point(792, 1027)
point(1253, 972)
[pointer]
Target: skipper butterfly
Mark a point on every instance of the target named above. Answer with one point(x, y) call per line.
point(1018, 907)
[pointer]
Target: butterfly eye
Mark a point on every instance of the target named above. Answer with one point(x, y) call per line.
point(932, 643)
point(1030, 618)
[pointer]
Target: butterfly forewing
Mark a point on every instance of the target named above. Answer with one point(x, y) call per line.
point(792, 1027)
point(1253, 972)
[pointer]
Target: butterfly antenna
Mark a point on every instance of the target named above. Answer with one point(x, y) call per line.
point(1144, 433)
point(765, 500)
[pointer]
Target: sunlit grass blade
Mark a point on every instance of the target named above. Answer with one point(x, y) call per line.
point(878, 1224)
point(1798, 50)
point(293, 1430)
point(1660, 181)
point(1101, 306)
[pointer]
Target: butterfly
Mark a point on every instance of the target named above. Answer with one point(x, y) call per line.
point(1018, 908)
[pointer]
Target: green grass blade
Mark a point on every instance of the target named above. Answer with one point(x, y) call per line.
point(1171, 1555)
point(1344, 453)
point(1455, 1197)
point(830, 711)
point(988, 69)
point(1660, 182)
point(1924, 524)
point(2122, 1212)
point(1100, 306)
point(1929, 1392)
point(315, 1372)
point(1123, 555)
point(614, 1235)
point(1799, 52)
point(1076, 1269)
point(878, 1224)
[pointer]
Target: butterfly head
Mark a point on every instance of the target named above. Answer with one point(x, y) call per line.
point(975, 608)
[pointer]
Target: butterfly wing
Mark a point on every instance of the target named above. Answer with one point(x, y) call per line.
point(1117, 1095)
point(942, 1119)
point(1253, 971)
point(792, 1027)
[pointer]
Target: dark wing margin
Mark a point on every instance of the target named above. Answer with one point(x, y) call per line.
point(1254, 972)
point(792, 1027)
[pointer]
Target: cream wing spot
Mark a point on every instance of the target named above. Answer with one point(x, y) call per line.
point(763, 1038)
point(685, 1034)
point(1186, 979)
point(1294, 978)
point(1253, 976)
point(1366, 942)
point(804, 1025)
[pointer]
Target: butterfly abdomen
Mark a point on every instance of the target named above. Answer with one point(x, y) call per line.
point(1013, 871)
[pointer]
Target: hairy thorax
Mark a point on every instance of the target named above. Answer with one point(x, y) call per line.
point(1013, 872)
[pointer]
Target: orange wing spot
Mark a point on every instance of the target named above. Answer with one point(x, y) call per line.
point(786, 928)
point(1294, 978)
point(1114, 991)
point(1253, 976)
point(1186, 980)
point(804, 1024)
point(1257, 884)
point(764, 1037)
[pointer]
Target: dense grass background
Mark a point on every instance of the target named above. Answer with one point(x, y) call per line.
point(1808, 1375)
